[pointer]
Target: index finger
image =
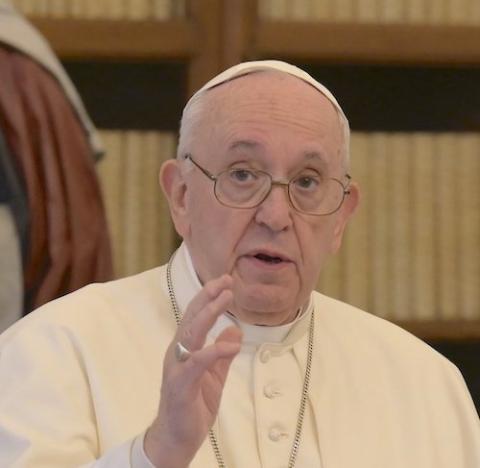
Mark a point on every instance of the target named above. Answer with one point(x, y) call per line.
point(203, 311)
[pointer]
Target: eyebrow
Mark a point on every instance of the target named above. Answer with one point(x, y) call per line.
point(244, 144)
point(317, 156)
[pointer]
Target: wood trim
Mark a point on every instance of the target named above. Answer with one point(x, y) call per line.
point(206, 16)
point(372, 43)
point(238, 27)
point(114, 39)
point(452, 330)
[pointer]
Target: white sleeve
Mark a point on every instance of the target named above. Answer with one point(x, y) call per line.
point(130, 454)
point(139, 457)
point(47, 416)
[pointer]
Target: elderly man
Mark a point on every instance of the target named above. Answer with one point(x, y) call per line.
point(258, 370)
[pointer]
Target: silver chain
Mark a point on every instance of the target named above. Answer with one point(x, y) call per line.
point(306, 380)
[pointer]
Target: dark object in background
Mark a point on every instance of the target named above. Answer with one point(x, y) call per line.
point(53, 146)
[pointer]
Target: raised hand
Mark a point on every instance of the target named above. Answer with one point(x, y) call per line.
point(192, 389)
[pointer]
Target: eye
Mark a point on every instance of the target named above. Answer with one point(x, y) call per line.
point(307, 182)
point(242, 175)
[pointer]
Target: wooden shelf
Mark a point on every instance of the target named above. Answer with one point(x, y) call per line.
point(451, 330)
point(367, 43)
point(127, 40)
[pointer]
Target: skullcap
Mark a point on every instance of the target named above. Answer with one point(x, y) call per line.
point(265, 65)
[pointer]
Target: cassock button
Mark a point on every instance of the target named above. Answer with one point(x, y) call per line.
point(270, 391)
point(265, 355)
point(275, 434)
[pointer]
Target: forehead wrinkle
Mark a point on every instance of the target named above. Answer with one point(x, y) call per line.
point(281, 99)
point(275, 108)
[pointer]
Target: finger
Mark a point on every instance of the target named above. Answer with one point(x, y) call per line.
point(232, 334)
point(220, 354)
point(192, 334)
point(211, 290)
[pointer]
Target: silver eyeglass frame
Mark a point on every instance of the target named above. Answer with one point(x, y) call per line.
point(286, 185)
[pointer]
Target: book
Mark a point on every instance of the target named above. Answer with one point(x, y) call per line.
point(157, 228)
point(458, 11)
point(331, 277)
point(133, 186)
point(321, 10)
point(115, 9)
point(357, 242)
point(468, 160)
point(392, 11)
point(446, 215)
point(366, 11)
point(415, 11)
point(94, 9)
point(263, 9)
point(475, 13)
point(276, 9)
point(40, 8)
point(76, 8)
point(138, 10)
point(178, 8)
point(401, 156)
point(298, 10)
point(161, 9)
point(57, 9)
point(437, 12)
point(424, 203)
point(379, 226)
point(111, 176)
point(342, 10)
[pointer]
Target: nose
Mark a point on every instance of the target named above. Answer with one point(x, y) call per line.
point(275, 211)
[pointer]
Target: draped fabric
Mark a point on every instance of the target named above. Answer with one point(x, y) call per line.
point(68, 243)
point(12, 194)
point(13, 238)
point(11, 284)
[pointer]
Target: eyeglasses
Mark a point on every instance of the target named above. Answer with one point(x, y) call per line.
point(309, 191)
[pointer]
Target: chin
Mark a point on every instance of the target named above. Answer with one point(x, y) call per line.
point(265, 302)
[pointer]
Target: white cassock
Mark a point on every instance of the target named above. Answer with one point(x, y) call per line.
point(80, 383)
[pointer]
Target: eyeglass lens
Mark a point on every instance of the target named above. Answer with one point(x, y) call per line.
point(309, 193)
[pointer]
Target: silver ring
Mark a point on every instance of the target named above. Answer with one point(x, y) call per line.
point(181, 353)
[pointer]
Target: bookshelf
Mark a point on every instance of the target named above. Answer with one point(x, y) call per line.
point(77, 38)
point(446, 47)
point(436, 330)
point(215, 34)
point(368, 43)
point(193, 39)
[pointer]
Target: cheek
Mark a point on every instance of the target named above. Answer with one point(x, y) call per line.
point(317, 243)
point(215, 234)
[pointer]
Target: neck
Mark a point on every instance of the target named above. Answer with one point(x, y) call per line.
point(265, 319)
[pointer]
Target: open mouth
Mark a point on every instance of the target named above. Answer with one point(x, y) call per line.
point(268, 259)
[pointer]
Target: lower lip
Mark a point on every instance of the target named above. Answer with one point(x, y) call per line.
point(266, 266)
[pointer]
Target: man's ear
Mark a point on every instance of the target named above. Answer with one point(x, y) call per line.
point(174, 187)
point(347, 210)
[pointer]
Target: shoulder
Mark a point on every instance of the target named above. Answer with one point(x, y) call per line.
point(372, 339)
point(118, 307)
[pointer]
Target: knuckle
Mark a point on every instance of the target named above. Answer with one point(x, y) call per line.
point(211, 290)
point(186, 336)
point(210, 309)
